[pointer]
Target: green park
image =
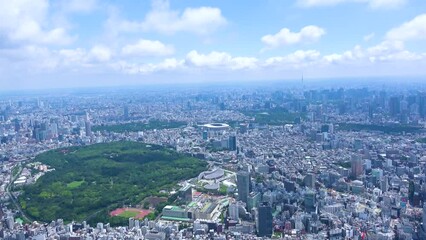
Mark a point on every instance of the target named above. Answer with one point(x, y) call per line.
point(90, 181)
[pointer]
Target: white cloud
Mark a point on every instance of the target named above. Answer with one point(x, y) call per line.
point(386, 47)
point(80, 57)
point(386, 51)
point(168, 64)
point(411, 30)
point(115, 24)
point(73, 56)
point(30, 58)
point(146, 47)
point(368, 37)
point(100, 53)
point(25, 21)
point(162, 19)
point(198, 20)
point(219, 60)
point(386, 3)
point(307, 34)
point(314, 3)
point(297, 59)
point(375, 4)
point(83, 6)
point(101, 59)
point(345, 57)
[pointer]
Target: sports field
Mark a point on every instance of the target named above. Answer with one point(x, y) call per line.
point(130, 212)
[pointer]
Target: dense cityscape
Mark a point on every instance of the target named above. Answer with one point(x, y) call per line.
point(212, 119)
point(292, 162)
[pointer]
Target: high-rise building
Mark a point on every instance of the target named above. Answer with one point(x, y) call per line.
point(357, 168)
point(185, 193)
point(370, 111)
point(54, 130)
point(358, 145)
point(232, 143)
point(126, 112)
point(88, 128)
point(36, 134)
point(233, 211)
point(205, 135)
point(422, 104)
point(289, 186)
point(310, 180)
point(243, 185)
point(394, 106)
point(264, 220)
point(309, 201)
point(17, 125)
point(253, 200)
point(384, 184)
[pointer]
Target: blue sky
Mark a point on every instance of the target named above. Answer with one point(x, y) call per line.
point(81, 43)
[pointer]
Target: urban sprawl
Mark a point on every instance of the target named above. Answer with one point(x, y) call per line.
point(286, 163)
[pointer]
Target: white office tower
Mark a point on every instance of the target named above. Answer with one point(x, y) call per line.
point(233, 211)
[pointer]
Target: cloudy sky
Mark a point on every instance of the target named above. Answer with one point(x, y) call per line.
point(81, 43)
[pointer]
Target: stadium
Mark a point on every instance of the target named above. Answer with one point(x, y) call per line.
point(215, 126)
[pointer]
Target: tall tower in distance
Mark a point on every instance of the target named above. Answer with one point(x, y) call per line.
point(394, 106)
point(126, 112)
point(88, 128)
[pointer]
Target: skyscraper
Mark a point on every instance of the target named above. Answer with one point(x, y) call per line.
point(264, 220)
point(243, 185)
point(88, 128)
point(309, 201)
point(356, 166)
point(422, 104)
point(233, 211)
point(310, 180)
point(232, 143)
point(17, 125)
point(126, 112)
point(394, 106)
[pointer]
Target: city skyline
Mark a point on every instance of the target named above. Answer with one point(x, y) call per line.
point(46, 44)
point(237, 161)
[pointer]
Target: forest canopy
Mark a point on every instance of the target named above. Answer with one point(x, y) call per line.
point(87, 180)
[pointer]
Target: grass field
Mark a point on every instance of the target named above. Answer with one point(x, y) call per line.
point(74, 184)
point(130, 213)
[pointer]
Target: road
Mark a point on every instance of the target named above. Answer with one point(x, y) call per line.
point(13, 199)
